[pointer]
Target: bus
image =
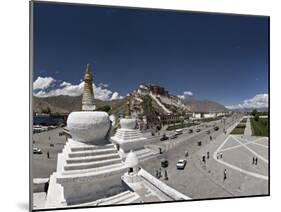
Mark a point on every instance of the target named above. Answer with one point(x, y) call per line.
point(178, 132)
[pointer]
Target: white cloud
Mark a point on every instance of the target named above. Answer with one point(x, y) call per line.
point(68, 89)
point(63, 84)
point(186, 95)
point(116, 95)
point(258, 101)
point(103, 85)
point(64, 89)
point(43, 82)
point(102, 93)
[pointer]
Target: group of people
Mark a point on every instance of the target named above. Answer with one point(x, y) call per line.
point(158, 174)
point(205, 157)
point(219, 155)
point(255, 160)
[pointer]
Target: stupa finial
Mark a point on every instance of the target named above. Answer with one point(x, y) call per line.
point(128, 108)
point(88, 94)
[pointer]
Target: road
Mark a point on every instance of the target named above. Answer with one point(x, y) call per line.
point(192, 181)
point(49, 141)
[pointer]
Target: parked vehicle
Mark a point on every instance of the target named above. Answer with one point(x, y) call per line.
point(208, 132)
point(164, 163)
point(190, 131)
point(216, 128)
point(164, 137)
point(198, 130)
point(181, 164)
point(37, 150)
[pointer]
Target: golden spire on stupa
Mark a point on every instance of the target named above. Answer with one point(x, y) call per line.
point(88, 94)
point(128, 113)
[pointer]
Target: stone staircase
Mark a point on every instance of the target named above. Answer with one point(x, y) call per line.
point(83, 158)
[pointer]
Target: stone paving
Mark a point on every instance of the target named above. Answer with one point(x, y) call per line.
point(206, 180)
point(248, 129)
point(192, 180)
point(242, 177)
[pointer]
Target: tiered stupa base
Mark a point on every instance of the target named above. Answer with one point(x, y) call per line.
point(85, 173)
point(128, 138)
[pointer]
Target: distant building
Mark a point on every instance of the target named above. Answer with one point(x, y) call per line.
point(209, 115)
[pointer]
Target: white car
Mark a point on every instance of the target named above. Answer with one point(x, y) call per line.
point(37, 150)
point(181, 164)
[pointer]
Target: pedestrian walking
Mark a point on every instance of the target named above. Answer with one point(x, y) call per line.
point(208, 155)
point(160, 150)
point(256, 160)
point(186, 154)
point(156, 174)
point(224, 175)
point(220, 154)
point(203, 159)
point(211, 138)
point(160, 173)
point(48, 155)
point(166, 175)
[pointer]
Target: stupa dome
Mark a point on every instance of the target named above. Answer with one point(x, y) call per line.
point(131, 160)
point(128, 123)
point(88, 126)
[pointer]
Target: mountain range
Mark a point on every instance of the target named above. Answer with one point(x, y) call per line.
point(144, 100)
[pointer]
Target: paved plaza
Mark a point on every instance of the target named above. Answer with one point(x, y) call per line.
point(200, 180)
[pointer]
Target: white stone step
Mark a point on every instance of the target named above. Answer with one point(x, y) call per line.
point(91, 165)
point(92, 158)
point(123, 198)
point(134, 198)
point(141, 154)
point(90, 147)
point(91, 153)
point(95, 171)
point(115, 198)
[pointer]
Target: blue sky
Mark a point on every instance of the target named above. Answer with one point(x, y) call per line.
point(217, 57)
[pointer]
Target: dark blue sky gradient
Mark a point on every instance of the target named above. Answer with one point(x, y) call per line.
point(218, 57)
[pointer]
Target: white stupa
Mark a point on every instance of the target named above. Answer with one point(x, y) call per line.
point(89, 167)
point(128, 138)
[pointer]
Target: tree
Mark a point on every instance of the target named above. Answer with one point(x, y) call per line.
point(257, 117)
point(254, 112)
point(46, 110)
